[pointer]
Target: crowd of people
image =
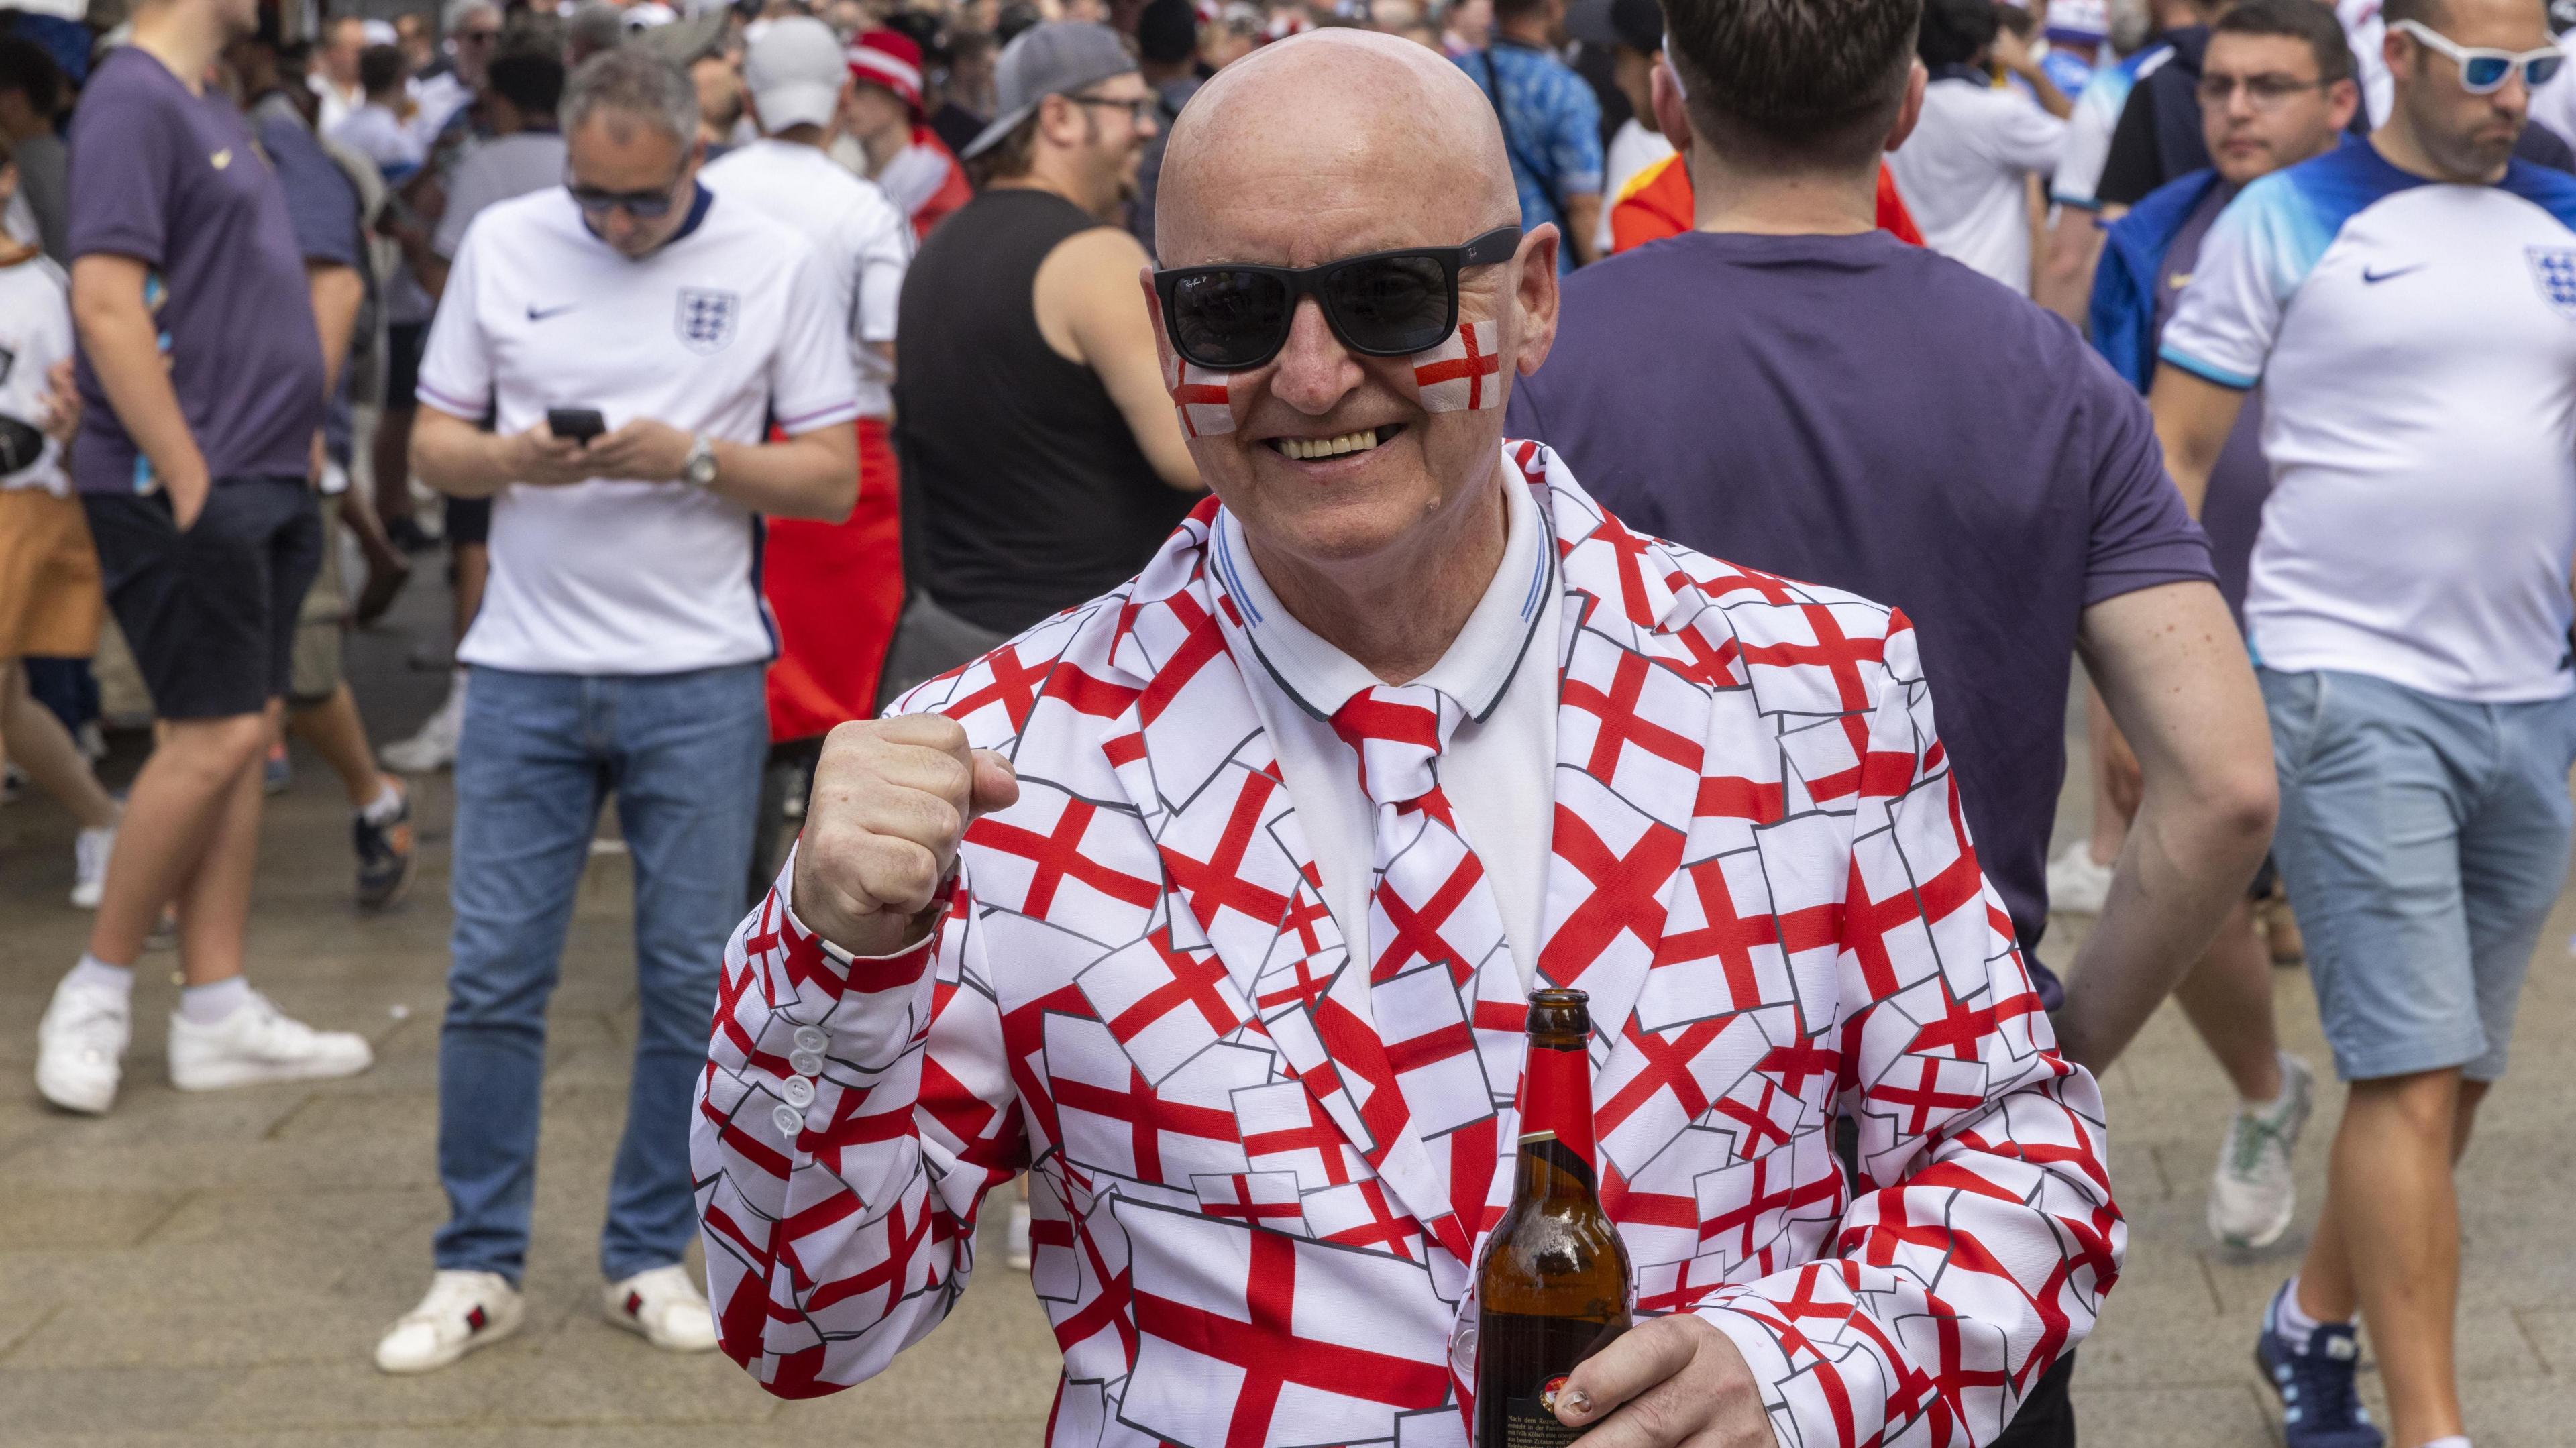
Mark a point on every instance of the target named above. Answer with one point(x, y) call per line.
point(1691, 392)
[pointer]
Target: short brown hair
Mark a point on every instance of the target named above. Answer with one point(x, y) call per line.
point(1009, 158)
point(2297, 20)
point(1793, 84)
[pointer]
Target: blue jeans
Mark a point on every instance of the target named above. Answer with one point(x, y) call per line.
point(683, 754)
point(2423, 841)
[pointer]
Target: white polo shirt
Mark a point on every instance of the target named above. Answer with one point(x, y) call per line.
point(714, 333)
point(2416, 345)
point(865, 242)
point(1499, 770)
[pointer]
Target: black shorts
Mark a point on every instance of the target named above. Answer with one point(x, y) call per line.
point(403, 344)
point(210, 613)
point(469, 520)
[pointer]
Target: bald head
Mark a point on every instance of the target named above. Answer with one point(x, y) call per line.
point(1374, 141)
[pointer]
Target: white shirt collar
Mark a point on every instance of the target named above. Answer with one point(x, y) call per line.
point(1480, 661)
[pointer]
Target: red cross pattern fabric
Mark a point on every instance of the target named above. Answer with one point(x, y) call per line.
point(1463, 373)
point(1254, 1144)
point(1199, 397)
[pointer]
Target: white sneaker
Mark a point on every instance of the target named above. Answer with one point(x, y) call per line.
point(1015, 1242)
point(665, 1306)
point(90, 849)
point(463, 1311)
point(80, 1046)
point(2253, 1197)
point(2077, 885)
point(258, 1043)
point(434, 747)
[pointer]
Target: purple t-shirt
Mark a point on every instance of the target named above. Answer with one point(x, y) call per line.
point(175, 181)
point(1853, 411)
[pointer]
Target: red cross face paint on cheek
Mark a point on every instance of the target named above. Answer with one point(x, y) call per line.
point(1199, 397)
point(1462, 374)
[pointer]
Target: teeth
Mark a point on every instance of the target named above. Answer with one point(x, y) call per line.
point(1308, 449)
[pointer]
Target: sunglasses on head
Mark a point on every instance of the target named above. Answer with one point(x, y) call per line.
point(1381, 304)
point(2483, 69)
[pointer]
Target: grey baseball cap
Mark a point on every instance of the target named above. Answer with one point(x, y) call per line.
point(1054, 59)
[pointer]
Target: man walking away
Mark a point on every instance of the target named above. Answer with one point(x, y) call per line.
point(620, 649)
point(201, 391)
point(1897, 424)
point(1965, 170)
point(2404, 303)
point(1551, 123)
point(1042, 461)
point(2276, 88)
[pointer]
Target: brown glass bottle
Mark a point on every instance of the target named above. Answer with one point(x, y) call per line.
point(1552, 1287)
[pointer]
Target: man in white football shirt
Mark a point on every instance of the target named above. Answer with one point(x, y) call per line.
point(620, 647)
point(2409, 607)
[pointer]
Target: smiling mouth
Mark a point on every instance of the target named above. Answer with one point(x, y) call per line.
point(1315, 449)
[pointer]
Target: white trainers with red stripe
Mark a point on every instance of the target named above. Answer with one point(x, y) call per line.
point(463, 1311)
point(664, 1305)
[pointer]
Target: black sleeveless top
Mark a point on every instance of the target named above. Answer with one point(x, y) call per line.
point(1023, 490)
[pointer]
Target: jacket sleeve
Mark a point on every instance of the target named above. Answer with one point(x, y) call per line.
point(2119, 319)
point(1983, 1236)
point(839, 1213)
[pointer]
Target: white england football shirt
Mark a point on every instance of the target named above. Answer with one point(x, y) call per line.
point(1961, 174)
point(717, 333)
point(864, 241)
point(35, 333)
point(2416, 344)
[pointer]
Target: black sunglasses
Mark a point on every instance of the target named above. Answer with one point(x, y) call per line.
point(642, 205)
point(1381, 304)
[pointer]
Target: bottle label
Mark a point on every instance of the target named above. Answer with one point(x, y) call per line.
point(1522, 1362)
point(1556, 1100)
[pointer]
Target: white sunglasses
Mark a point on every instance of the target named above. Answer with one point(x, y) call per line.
point(2482, 69)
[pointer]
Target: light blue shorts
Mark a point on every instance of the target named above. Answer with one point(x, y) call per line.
point(2423, 841)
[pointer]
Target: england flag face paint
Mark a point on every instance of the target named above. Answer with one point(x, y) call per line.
point(1199, 397)
point(1462, 374)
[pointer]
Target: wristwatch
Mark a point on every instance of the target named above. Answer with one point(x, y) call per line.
point(700, 470)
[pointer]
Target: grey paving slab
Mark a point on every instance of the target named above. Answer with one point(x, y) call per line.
point(214, 1270)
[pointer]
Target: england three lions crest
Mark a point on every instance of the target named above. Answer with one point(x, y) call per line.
point(2553, 270)
point(704, 318)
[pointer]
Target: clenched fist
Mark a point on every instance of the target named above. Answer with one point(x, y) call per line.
point(891, 801)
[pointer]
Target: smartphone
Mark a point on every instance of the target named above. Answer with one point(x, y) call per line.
point(580, 424)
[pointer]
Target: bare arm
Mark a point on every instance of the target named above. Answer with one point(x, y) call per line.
point(2013, 53)
point(1582, 226)
point(1090, 313)
point(2175, 673)
point(457, 457)
point(2193, 418)
point(810, 475)
point(337, 292)
point(124, 348)
point(2065, 281)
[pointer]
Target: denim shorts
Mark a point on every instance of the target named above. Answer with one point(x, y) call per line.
point(2423, 841)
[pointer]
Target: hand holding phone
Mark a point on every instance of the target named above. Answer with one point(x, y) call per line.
point(575, 424)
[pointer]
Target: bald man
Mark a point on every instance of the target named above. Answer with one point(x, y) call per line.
point(1216, 904)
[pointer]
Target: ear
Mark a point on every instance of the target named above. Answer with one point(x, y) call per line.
point(1911, 110)
point(1672, 113)
point(1534, 298)
point(2342, 99)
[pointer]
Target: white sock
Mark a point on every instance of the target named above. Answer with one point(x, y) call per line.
point(203, 1005)
point(2294, 1326)
point(2450, 1440)
point(95, 972)
point(387, 803)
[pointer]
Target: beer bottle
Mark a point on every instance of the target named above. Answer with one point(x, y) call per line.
point(1552, 1287)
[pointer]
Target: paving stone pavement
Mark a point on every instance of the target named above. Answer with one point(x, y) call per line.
point(214, 1270)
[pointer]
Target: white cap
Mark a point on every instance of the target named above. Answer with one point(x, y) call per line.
point(794, 71)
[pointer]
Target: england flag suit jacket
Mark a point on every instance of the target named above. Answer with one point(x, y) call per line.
point(1245, 1230)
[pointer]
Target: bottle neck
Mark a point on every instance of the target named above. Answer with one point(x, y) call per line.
point(1558, 1160)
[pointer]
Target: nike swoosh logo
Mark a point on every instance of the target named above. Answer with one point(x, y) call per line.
point(539, 314)
point(2373, 278)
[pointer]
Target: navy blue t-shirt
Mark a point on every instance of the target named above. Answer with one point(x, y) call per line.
point(1853, 411)
point(173, 179)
